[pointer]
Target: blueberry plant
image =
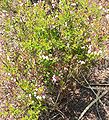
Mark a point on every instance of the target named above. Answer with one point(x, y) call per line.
point(44, 48)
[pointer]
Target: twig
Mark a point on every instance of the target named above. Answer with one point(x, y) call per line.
point(57, 98)
point(98, 111)
point(92, 88)
point(91, 104)
point(89, 86)
point(79, 82)
point(54, 116)
point(61, 113)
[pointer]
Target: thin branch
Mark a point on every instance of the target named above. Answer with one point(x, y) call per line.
point(92, 88)
point(89, 86)
point(98, 111)
point(54, 117)
point(91, 104)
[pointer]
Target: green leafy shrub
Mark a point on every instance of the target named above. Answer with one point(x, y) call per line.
point(45, 49)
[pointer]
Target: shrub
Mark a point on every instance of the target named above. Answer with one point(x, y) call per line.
point(43, 51)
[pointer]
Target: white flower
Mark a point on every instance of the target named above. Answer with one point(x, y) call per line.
point(39, 97)
point(107, 17)
point(90, 49)
point(43, 96)
point(35, 4)
point(45, 57)
point(66, 24)
point(100, 6)
point(71, 12)
point(36, 89)
point(73, 4)
point(83, 47)
point(81, 62)
point(14, 80)
point(9, 74)
point(105, 10)
point(29, 95)
point(54, 78)
point(65, 68)
point(100, 52)
point(95, 52)
point(21, 4)
point(53, 5)
point(68, 44)
point(56, 16)
point(50, 55)
point(89, 40)
point(35, 94)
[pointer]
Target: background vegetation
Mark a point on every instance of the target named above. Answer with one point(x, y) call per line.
point(48, 47)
